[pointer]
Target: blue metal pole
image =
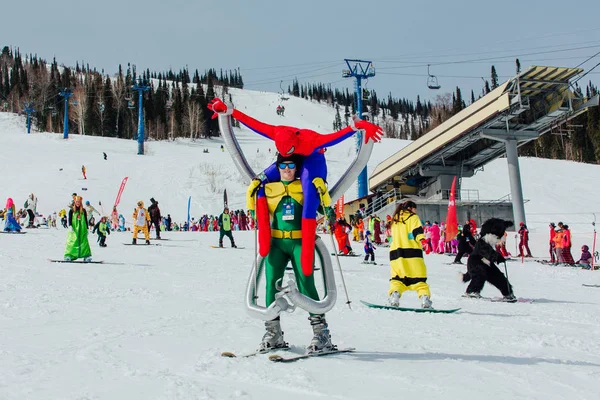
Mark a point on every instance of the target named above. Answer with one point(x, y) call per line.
point(140, 124)
point(29, 110)
point(66, 93)
point(28, 123)
point(363, 187)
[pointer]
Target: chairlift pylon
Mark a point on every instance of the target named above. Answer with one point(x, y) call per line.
point(432, 81)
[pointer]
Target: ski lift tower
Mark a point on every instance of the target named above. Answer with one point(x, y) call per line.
point(359, 69)
point(141, 88)
point(66, 93)
point(29, 110)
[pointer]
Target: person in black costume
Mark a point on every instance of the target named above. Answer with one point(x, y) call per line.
point(482, 263)
point(466, 241)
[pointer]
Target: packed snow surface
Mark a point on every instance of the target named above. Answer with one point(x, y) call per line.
point(152, 321)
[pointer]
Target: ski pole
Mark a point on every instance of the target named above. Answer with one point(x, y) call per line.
point(507, 281)
point(337, 257)
point(255, 249)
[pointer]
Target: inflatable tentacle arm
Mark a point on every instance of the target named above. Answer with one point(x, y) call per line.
point(334, 138)
point(351, 174)
point(233, 147)
point(261, 128)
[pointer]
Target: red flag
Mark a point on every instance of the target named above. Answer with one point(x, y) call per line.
point(452, 218)
point(121, 191)
point(339, 207)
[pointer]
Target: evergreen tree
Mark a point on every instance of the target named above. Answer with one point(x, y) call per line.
point(337, 122)
point(494, 78)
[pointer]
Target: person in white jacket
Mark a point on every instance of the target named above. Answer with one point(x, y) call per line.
point(31, 207)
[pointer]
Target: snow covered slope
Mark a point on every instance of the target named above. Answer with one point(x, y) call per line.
point(151, 322)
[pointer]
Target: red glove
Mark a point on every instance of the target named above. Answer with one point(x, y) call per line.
point(372, 131)
point(425, 246)
point(217, 106)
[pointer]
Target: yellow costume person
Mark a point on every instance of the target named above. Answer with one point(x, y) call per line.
point(408, 270)
point(141, 218)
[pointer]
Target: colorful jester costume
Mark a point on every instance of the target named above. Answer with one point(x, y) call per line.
point(311, 145)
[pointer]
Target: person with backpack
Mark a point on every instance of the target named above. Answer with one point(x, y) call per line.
point(103, 230)
point(154, 212)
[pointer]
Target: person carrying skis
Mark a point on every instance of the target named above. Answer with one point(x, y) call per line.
point(408, 270)
point(78, 245)
point(285, 200)
point(524, 240)
point(140, 222)
point(10, 223)
point(369, 249)
point(103, 230)
point(481, 265)
point(154, 212)
point(225, 227)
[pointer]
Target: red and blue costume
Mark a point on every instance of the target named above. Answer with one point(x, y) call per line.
point(311, 145)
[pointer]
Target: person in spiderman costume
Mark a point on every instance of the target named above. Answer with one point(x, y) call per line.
point(311, 146)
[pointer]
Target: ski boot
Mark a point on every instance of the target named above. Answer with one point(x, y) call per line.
point(87, 259)
point(220, 244)
point(509, 298)
point(67, 258)
point(134, 241)
point(273, 338)
point(147, 242)
point(233, 245)
point(394, 299)
point(426, 302)
point(321, 340)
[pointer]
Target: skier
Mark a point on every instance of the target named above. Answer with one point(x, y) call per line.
point(10, 223)
point(551, 243)
point(225, 227)
point(466, 241)
point(154, 212)
point(408, 270)
point(90, 212)
point(304, 142)
point(524, 240)
point(481, 265)
point(369, 249)
point(83, 171)
point(285, 200)
point(31, 206)
point(105, 156)
point(103, 229)
point(341, 234)
point(78, 245)
point(140, 222)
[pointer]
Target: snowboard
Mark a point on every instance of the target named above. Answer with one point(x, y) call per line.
point(369, 262)
point(235, 248)
point(75, 261)
point(347, 255)
point(159, 239)
point(278, 358)
point(141, 244)
point(588, 285)
point(418, 310)
point(13, 233)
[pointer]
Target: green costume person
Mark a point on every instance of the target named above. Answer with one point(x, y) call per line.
point(285, 199)
point(78, 245)
point(225, 228)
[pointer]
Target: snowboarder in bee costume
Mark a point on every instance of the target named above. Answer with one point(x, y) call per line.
point(408, 270)
point(285, 201)
point(309, 144)
point(141, 218)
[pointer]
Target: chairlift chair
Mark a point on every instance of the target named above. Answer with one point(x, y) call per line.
point(432, 81)
point(130, 104)
point(282, 94)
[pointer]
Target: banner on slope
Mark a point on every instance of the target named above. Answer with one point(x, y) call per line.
point(339, 207)
point(452, 218)
point(121, 191)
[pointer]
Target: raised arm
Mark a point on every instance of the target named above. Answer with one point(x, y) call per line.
point(219, 107)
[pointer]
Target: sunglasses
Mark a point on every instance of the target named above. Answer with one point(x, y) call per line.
point(287, 165)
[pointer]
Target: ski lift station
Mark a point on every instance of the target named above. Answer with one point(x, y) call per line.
point(517, 112)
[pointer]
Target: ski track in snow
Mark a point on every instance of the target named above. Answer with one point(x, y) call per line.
point(154, 326)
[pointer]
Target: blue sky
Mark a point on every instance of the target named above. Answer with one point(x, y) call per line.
point(274, 41)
